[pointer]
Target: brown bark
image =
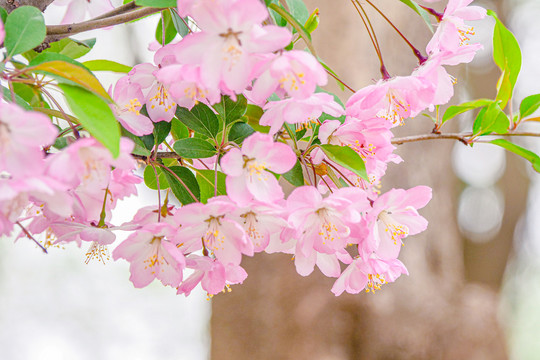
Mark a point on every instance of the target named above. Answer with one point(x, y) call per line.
point(11, 5)
point(432, 314)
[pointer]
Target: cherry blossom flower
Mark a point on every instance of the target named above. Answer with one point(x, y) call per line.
point(369, 274)
point(393, 217)
point(231, 35)
point(452, 31)
point(294, 73)
point(22, 136)
point(322, 224)
point(295, 111)
point(77, 10)
point(159, 104)
point(246, 169)
point(394, 99)
point(129, 100)
point(221, 236)
point(211, 274)
point(152, 256)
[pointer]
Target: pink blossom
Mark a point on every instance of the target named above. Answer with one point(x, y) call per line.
point(395, 99)
point(323, 224)
point(393, 217)
point(294, 73)
point(22, 136)
point(152, 256)
point(369, 274)
point(221, 236)
point(295, 111)
point(212, 275)
point(231, 35)
point(246, 169)
point(452, 31)
point(129, 100)
point(77, 10)
point(185, 85)
point(159, 104)
point(327, 263)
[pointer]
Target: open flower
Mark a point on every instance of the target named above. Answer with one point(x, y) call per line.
point(248, 177)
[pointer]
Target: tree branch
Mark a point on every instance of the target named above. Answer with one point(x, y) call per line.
point(99, 23)
point(11, 5)
point(463, 137)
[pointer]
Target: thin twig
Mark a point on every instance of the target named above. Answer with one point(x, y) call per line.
point(31, 237)
point(340, 81)
point(463, 137)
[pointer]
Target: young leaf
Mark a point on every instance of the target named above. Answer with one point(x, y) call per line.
point(140, 147)
point(529, 105)
point(304, 34)
point(239, 131)
point(182, 178)
point(507, 56)
point(150, 178)
point(193, 148)
point(299, 10)
point(420, 11)
point(229, 110)
point(25, 29)
point(206, 179)
point(200, 119)
point(493, 119)
point(524, 153)
point(179, 23)
point(455, 110)
point(170, 30)
point(48, 57)
point(107, 65)
point(295, 176)
point(156, 3)
point(75, 75)
point(95, 116)
point(346, 157)
point(71, 48)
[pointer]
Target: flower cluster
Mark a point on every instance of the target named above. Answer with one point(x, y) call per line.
point(336, 218)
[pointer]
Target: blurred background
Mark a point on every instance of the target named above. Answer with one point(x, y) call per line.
point(474, 285)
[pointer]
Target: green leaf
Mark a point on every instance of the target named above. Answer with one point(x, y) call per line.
point(312, 23)
point(529, 105)
point(107, 65)
point(455, 110)
point(420, 11)
point(192, 148)
point(239, 131)
point(200, 119)
point(170, 30)
point(95, 116)
point(179, 23)
point(230, 110)
point(346, 157)
point(295, 176)
point(156, 3)
point(183, 176)
point(140, 148)
point(74, 74)
point(524, 153)
point(150, 178)
point(71, 48)
point(304, 34)
point(48, 57)
point(6, 94)
point(299, 10)
point(491, 119)
point(161, 131)
point(25, 29)
point(507, 56)
point(178, 130)
point(3, 15)
point(206, 180)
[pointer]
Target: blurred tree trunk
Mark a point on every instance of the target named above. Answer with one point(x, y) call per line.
point(432, 314)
